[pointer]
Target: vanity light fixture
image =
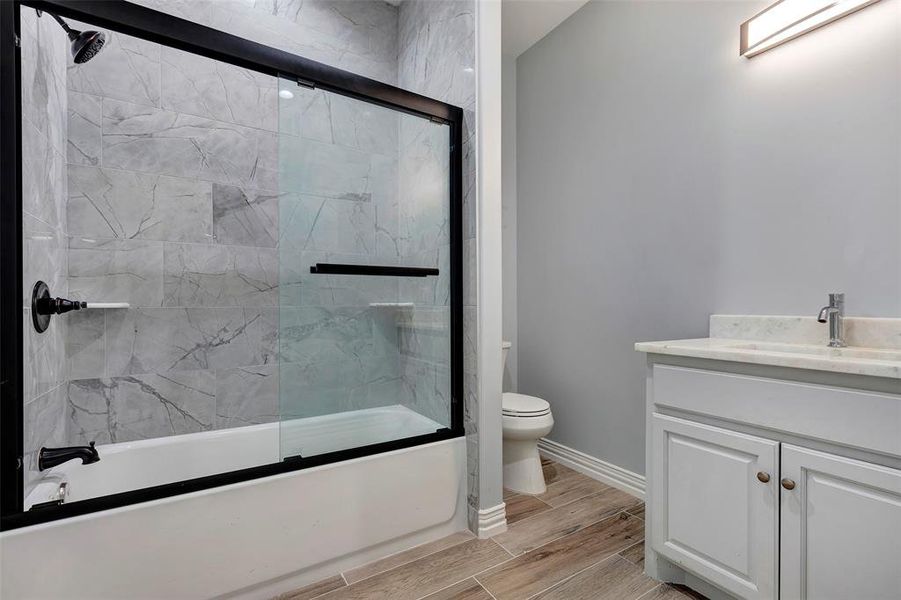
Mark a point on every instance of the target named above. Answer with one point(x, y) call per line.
point(787, 19)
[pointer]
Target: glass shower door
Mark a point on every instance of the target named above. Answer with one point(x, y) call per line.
point(364, 344)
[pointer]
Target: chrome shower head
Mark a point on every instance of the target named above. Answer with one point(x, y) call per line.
point(85, 44)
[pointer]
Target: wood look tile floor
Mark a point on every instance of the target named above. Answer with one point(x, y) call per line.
point(580, 540)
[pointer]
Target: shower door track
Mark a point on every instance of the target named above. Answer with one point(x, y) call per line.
point(165, 29)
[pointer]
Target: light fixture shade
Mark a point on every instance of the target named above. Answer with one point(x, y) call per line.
point(787, 19)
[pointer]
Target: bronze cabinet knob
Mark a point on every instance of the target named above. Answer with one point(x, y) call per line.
point(788, 484)
point(763, 477)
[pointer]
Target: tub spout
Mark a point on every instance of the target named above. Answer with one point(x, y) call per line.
point(50, 457)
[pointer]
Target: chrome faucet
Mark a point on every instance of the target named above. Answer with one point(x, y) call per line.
point(834, 314)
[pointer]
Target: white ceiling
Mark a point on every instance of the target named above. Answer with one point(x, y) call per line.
point(525, 22)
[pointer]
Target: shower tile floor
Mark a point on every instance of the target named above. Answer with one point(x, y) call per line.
point(580, 540)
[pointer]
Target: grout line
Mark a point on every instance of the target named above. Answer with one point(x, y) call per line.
point(627, 548)
point(562, 581)
point(603, 518)
point(653, 589)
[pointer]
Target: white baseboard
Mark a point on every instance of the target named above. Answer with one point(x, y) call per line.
point(627, 481)
point(490, 521)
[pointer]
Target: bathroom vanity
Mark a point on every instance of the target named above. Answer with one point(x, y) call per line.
point(774, 461)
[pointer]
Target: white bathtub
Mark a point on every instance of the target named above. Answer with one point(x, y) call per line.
point(133, 465)
point(253, 539)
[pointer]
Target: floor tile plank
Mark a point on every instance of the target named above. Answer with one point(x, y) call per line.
point(638, 511)
point(426, 575)
point(536, 571)
point(614, 578)
point(634, 554)
point(407, 556)
point(315, 590)
point(571, 487)
point(554, 472)
point(465, 590)
point(521, 506)
point(549, 525)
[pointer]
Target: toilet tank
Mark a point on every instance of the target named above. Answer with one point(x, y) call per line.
point(505, 348)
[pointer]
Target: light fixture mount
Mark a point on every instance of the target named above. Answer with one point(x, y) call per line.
point(787, 19)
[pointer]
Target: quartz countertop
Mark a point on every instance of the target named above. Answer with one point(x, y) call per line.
point(794, 342)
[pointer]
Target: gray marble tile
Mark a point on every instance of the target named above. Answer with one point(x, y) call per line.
point(161, 340)
point(121, 409)
point(209, 88)
point(436, 50)
point(44, 357)
point(214, 275)
point(332, 118)
point(146, 139)
point(128, 69)
point(308, 390)
point(243, 217)
point(44, 420)
point(86, 344)
point(426, 388)
point(326, 36)
point(299, 287)
point(246, 396)
point(192, 10)
point(116, 270)
point(83, 147)
point(424, 193)
point(123, 204)
point(43, 77)
point(310, 335)
point(427, 291)
point(44, 258)
point(43, 178)
point(470, 339)
point(320, 169)
point(424, 335)
point(268, 335)
point(315, 223)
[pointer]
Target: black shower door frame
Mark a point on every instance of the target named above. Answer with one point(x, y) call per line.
point(168, 30)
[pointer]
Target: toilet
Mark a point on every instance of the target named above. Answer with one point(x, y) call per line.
point(526, 419)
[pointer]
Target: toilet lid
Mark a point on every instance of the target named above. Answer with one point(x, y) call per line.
point(524, 406)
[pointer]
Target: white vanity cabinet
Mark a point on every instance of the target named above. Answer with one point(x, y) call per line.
point(841, 527)
point(756, 487)
point(713, 512)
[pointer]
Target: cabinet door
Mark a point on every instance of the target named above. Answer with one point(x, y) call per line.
point(841, 528)
point(712, 514)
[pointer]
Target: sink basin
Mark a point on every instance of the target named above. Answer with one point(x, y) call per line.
point(823, 351)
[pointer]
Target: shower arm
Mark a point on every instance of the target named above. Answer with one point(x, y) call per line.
point(59, 20)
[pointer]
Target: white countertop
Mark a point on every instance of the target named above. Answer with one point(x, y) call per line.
point(764, 341)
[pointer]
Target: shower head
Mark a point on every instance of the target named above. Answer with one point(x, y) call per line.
point(85, 44)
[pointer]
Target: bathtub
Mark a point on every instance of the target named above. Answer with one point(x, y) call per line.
point(133, 465)
point(252, 539)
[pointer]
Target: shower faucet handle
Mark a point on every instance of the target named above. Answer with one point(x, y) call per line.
point(43, 306)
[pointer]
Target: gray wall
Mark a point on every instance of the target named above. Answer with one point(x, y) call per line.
point(662, 178)
point(508, 218)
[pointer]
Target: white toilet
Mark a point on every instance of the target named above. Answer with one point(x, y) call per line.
point(525, 420)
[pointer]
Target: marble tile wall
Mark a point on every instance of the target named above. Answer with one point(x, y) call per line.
point(44, 125)
point(201, 198)
point(163, 171)
point(436, 57)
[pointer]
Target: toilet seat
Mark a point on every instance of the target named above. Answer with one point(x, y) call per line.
point(521, 405)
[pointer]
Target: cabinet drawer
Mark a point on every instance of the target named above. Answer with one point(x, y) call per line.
point(711, 513)
point(865, 420)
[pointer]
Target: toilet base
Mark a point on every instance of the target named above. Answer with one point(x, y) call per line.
point(522, 467)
